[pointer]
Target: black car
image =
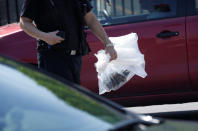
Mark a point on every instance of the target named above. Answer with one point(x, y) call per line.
point(32, 101)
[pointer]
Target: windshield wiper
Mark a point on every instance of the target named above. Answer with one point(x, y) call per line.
point(142, 120)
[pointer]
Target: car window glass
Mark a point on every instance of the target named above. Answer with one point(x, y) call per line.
point(196, 6)
point(133, 10)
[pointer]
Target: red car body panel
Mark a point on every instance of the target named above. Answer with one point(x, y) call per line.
point(17, 44)
point(192, 42)
point(166, 59)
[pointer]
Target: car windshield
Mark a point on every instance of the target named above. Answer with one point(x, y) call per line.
point(33, 101)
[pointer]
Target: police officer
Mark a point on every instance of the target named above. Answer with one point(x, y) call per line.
point(58, 25)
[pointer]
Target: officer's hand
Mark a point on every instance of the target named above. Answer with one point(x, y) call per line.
point(112, 52)
point(51, 38)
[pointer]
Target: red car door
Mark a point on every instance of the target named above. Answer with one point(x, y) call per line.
point(162, 40)
point(192, 41)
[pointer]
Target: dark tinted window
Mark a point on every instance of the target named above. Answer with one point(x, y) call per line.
point(134, 10)
point(9, 11)
point(192, 7)
point(196, 6)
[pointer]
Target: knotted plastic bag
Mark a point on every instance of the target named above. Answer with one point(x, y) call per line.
point(130, 61)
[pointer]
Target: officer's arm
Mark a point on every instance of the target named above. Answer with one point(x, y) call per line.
point(98, 30)
point(27, 25)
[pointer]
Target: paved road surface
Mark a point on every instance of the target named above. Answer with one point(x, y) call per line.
point(165, 108)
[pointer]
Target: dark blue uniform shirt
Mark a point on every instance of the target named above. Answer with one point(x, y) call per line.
point(65, 17)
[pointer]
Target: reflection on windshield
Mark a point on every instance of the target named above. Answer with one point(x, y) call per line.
point(70, 96)
point(36, 120)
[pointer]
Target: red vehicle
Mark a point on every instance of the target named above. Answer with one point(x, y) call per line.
point(168, 38)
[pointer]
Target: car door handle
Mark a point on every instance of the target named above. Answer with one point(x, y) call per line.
point(167, 34)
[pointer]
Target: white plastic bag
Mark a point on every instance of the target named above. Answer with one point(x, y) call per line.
point(114, 74)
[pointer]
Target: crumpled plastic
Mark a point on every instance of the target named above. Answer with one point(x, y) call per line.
point(112, 75)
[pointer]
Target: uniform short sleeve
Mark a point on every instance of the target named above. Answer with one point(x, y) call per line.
point(88, 5)
point(29, 9)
